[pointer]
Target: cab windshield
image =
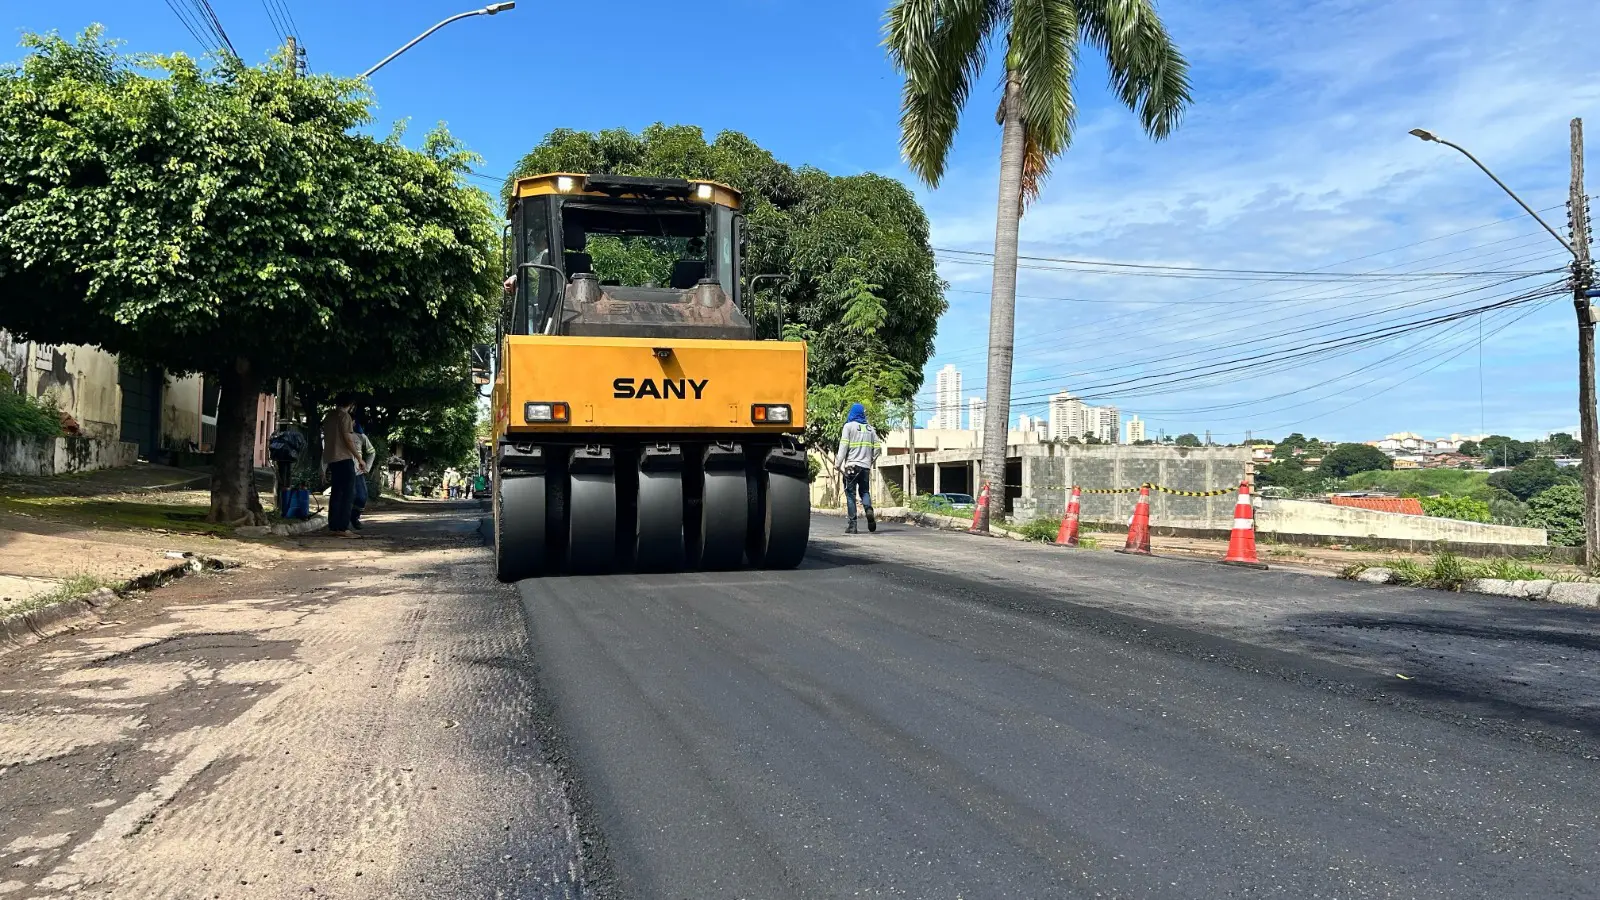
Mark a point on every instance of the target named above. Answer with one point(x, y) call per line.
point(648, 244)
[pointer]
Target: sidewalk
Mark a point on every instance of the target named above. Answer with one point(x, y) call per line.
point(67, 536)
point(354, 719)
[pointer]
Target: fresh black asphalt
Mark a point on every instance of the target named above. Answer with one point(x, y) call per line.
point(874, 725)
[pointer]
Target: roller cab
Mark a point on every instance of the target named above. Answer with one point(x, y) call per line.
point(642, 421)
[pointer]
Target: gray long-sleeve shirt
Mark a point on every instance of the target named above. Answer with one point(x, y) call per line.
point(858, 447)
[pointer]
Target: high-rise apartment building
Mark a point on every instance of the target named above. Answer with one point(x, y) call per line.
point(1135, 429)
point(1069, 417)
point(975, 415)
point(1108, 424)
point(947, 399)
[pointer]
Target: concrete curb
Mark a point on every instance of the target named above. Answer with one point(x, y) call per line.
point(282, 529)
point(905, 515)
point(31, 627)
point(1567, 593)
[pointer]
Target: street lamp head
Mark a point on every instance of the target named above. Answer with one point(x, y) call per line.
point(1425, 134)
point(493, 8)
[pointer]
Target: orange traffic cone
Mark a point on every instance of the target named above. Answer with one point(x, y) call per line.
point(1242, 542)
point(980, 511)
point(1068, 535)
point(1139, 526)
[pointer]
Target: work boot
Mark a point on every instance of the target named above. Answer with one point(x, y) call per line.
point(872, 520)
point(851, 528)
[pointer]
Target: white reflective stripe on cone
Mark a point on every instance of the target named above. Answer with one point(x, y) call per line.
point(1243, 523)
point(1246, 500)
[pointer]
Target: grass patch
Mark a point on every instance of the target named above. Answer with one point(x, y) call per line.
point(1041, 529)
point(100, 512)
point(71, 589)
point(1449, 572)
point(1088, 542)
point(1423, 482)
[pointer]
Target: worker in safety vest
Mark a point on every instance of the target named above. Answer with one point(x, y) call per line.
point(858, 450)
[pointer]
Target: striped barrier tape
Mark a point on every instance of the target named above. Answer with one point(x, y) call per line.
point(1220, 492)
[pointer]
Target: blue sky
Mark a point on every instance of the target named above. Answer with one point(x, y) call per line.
point(1294, 157)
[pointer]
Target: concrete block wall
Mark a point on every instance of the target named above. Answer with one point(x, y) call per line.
point(1049, 471)
point(62, 455)
point(1302, 517)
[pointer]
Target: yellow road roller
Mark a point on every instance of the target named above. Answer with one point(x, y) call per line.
point(641, 420)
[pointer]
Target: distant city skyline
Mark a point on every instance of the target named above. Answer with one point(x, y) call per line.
point(947, 399)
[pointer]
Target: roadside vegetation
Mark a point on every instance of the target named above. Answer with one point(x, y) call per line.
point(171, 514)
point(70, 589)
point(1449, 572)
point(22, 416)
point(238, 221)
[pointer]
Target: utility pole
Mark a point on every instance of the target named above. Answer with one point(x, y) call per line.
point(911, 450)
point(1582, 279)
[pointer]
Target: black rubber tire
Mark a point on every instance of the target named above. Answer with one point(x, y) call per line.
point(519, 506)
point(786, 521)
point(724, 518)
point(592, 523)
point(658, 529)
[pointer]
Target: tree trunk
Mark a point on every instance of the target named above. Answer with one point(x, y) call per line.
point(233, 484)
point(1003, 302)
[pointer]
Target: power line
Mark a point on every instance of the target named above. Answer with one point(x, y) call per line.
point(1274, 357)
point(1331, 345)
point(1324, 298)
point(1105, 267)
point(278, 27)
point(288, 15)
point(190, 26)
point(1286, 301)
point(216, 24)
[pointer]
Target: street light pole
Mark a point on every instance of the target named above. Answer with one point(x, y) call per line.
point(489, 10)
point(1582, 279)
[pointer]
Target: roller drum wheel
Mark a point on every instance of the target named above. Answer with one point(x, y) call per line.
point(786, 525)
point(724, 510)
point(658, 532)
point(519, 507)
point(592, 512)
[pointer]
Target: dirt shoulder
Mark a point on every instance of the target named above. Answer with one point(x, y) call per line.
point(349, 719)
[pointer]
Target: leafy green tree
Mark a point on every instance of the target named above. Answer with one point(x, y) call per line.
point(1285, 449)
point(1469, 448)
point(1348, 459)
point(1499, 450)
point(941, 46)
point(1565, 444)
point(1532, 477)
point(1286, 474)
point(1466, 509)
point(433, 439)
point(823, 232)
point(231, 220)
point(1187, 440)
point(1559, 510)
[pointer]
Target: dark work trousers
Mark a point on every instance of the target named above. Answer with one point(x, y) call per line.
point(857, 480)
point(343, 476)
point(360, 503)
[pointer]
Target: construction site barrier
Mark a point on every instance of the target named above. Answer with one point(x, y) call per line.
point(1219, 492)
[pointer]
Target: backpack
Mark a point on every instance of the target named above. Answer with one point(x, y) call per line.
point(286, 446)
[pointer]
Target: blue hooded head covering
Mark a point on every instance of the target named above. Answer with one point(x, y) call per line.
point(858, 413)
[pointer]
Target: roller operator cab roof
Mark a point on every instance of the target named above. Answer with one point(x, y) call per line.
point(626, 187)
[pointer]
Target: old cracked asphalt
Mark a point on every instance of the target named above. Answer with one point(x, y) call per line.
point(909, 714)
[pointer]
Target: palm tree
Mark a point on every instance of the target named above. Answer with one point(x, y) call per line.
point(940, 46)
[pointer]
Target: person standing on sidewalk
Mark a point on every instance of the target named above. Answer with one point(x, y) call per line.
point(368, 455)
point(340, 457)
point(858, 450)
